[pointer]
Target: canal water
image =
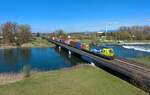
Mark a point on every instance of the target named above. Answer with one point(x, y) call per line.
point(131, 51)
point(35, 59)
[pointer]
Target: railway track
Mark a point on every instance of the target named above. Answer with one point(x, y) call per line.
point(136, 67)
point(130, 63)
point(133, 65)
point(133, 62)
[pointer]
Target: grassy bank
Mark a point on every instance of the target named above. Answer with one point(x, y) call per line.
point(35, 42)
point(101, 41)
point(38, 42)
point(144, 60)
point(80, 80)
point(10, 78)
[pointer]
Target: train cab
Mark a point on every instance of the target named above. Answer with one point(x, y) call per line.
point(108, 52)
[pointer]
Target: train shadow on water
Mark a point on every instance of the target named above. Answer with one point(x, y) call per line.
point(73, 59)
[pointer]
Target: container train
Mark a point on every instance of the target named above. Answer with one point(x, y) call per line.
point(101, 51)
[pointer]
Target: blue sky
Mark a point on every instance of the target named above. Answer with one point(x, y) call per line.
point(75, 15)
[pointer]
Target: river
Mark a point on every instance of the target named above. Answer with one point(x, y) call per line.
point(44, 59)
point(35, 59)
point(131, 50)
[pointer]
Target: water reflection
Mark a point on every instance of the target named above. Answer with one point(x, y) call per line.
point(25, 54)
point(10, 56)
point(41, 59)
point(74, 60)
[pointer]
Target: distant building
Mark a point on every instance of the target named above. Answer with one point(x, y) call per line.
point(100, 32)
point(69, 36)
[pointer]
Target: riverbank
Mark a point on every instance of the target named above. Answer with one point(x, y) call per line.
point(137, 42)
point(116, 42)
point(100, 41)
point(36, 42)
point(10, 78)
point(78, 80)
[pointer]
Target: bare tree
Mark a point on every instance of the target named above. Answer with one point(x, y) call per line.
point(8, 31)
point(138, 32)
point(60, 33)
point(23, 34)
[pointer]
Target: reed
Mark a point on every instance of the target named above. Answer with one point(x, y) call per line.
point(6, 78)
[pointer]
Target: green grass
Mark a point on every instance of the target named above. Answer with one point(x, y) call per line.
point(100, 41)
point(38, 42)
point(81, 80)
point(144, 60)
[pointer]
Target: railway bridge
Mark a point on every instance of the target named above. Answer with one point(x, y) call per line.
point(131, 69)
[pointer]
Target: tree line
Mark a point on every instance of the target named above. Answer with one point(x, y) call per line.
point(59, 33)
point(131, 33)
point(15, 34)
point(122, 33)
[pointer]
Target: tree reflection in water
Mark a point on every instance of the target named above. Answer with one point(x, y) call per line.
point(18, 55)
point(10, 56)
point(25, 54)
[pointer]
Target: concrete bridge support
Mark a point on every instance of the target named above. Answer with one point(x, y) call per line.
point(59, 48)
point(69, 52)
point(92, 63)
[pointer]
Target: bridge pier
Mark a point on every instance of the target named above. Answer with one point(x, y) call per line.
point(69, 52)
point(92, 63)
point(59, 48)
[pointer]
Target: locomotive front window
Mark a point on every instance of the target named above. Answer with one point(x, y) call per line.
point(111, 51)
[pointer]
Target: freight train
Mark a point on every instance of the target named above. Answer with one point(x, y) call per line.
point(101, 51)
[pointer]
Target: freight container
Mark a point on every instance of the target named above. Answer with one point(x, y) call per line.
point(53, 38)
point(72, 43)
point(95, 50)
point(85, 46)
point(78, 45)
point(63, 40)
point(56, 39)
point(67, 42)
point(92, 45)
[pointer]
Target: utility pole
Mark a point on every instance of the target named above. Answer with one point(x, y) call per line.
point(106, 29)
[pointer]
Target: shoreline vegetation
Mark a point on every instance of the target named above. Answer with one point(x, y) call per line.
point(7, 78)
point(82, 79)
point(120, 42)
point(36, 42)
